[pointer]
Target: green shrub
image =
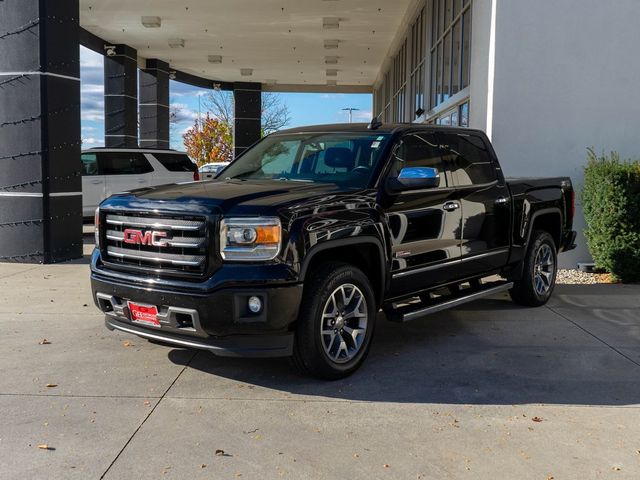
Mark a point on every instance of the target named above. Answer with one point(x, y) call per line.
point(611, 203)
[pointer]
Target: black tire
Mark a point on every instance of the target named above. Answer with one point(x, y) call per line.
point(309, 354)
point(528, 290)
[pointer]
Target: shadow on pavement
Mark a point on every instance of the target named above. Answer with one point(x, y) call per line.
point(489, 352)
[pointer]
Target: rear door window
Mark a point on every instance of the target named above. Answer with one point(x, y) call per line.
point(125, 163)
point(472, 164)
point(176, 162)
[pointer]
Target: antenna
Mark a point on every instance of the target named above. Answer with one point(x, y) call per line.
point(375, 124)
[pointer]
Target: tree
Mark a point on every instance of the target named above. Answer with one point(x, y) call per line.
point(275, 113)
point(210, 141)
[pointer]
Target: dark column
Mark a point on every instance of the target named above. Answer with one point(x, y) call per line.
point(40, 182)
point(121, 98)
point(248, 113)
point(154, 105)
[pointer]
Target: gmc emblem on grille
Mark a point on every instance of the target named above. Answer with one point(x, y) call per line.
point(150, 237)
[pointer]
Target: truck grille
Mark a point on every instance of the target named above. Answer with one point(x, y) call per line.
point(162, 244)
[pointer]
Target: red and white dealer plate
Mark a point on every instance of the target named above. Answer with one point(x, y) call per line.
point(144, 314)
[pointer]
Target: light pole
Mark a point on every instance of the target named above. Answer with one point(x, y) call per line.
point(350, 110)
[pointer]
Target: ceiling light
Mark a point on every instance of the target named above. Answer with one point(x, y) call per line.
point(331, 44)
point(330, 60)
point(332, 72)
point(151, 22)
point(176, 42)
point(215, 58)
point(246, 72)
point(330, 22)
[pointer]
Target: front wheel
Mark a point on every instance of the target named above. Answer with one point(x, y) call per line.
point(336, 322)
point(539, 272)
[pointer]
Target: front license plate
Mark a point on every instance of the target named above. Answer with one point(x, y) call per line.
point(144, 314)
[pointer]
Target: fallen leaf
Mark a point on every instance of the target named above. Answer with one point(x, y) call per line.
point(616, 469)
point(44, 446)
point(220, 453)
point(386, 465)
point(147, 403)
point(203, 465)
point(550, 477)
point(51, 385)
point(536, 419)
point(355, 455)
point(44, 341)
point(128, 344)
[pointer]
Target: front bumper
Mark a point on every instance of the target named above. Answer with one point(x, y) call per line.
point(248, 346)
point(215, 319)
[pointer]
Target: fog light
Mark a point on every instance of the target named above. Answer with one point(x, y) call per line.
point(255, 304)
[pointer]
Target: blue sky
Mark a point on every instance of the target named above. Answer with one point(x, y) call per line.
point(306, 108)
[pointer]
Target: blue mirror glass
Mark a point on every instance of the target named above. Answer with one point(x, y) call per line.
point(418, 172)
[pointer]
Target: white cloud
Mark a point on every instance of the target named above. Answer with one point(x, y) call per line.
point(88, 142)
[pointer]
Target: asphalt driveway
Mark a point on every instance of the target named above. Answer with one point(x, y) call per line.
point(489, 390)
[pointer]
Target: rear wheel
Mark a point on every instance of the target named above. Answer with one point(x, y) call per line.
point(539, 272)
point(336, 322)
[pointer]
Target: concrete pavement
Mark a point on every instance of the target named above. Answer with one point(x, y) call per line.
point(489, 390)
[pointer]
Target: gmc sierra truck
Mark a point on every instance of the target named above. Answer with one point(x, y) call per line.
point(297, 245)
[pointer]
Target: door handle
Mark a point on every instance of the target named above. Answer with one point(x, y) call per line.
point(502, 200)
point(451, 206)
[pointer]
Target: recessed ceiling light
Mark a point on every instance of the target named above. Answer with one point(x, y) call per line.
point(176, 42)
point(151, 22)
point(215, 58)
point(246, 72)
point(330, 22)
point(331, 60)
point(331, 44)
point(332, 72)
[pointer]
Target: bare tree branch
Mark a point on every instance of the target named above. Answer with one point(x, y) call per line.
point(275, 113)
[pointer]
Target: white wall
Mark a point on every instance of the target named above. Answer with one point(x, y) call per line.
point(567, 77)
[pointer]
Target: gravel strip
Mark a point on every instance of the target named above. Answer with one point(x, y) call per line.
point(576, 277)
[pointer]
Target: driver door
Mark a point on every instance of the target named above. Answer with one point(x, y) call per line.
point(425, 225)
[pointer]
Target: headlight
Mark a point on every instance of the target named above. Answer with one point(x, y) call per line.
point(250, 239)
point(96, 225)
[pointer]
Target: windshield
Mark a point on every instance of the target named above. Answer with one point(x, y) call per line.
point(346, 159)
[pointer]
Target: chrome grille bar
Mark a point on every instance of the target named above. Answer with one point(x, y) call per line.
point(159, 223)
point(179, 242)
point(166, 258)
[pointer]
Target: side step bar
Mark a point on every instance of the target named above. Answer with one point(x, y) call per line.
point(412, 312)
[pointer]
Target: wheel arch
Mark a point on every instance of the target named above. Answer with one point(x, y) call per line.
point(366, 253)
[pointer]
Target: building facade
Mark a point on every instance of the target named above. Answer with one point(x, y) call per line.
point(546, 80)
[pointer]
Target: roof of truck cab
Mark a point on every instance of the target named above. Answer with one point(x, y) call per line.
point(388, 128)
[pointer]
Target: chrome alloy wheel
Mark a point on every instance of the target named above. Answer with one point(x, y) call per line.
point(344, 323)
point(543, 270)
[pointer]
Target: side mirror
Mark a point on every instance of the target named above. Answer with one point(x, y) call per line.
point(415, 178)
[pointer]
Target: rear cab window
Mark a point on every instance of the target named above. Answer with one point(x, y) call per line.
point(176, 162)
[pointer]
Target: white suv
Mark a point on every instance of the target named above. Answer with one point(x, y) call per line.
point(112, 170)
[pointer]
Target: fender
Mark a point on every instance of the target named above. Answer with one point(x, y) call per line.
point(526, 237)
point(530, 221)
point(343, 242)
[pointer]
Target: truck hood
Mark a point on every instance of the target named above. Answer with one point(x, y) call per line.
point(240, 197)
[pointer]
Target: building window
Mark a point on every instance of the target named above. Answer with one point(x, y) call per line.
point(399, 83)
point(450, 48)
point(455, 117)
point(416, 80)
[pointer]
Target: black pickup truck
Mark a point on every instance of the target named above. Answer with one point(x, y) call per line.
point(297, 245)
